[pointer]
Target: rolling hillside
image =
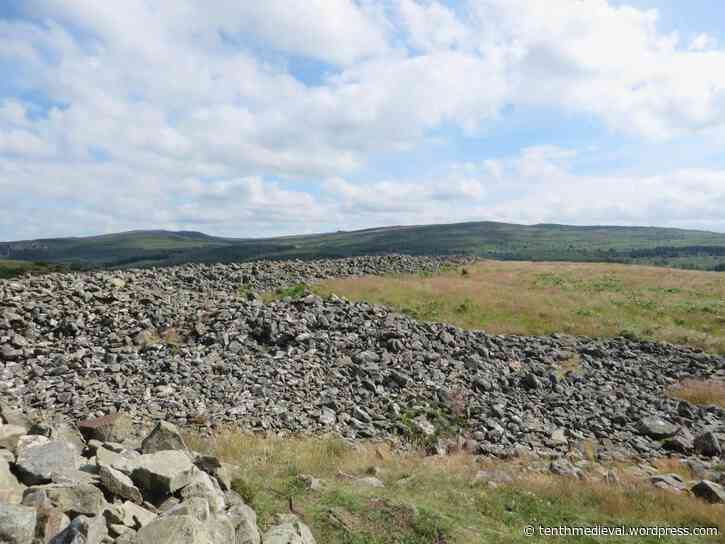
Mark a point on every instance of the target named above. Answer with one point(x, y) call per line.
point(644, 245)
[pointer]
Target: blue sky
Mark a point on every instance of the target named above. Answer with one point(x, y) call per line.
point(272, 118)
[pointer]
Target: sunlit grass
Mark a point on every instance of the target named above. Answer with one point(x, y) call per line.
point(429, 500)
point(534, 298)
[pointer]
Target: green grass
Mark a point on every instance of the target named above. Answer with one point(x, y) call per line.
point(430, 500)
point(678, 306)
point(13, 269)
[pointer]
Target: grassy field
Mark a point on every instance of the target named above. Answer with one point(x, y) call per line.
point(12, 269)
point(436, 500)
point(535, 298)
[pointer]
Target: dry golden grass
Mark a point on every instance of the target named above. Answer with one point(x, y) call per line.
point(592, 299)
point(700, 392)
point(442, 490)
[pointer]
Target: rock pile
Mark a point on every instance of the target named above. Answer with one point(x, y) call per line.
point(64, 490)
point(185, 345)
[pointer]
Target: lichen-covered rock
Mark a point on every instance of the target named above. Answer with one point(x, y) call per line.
point(244, 521)
point(288, 530)
point(174, 530)
point(17, 524)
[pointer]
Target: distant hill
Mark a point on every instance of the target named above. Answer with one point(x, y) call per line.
point(646, 245)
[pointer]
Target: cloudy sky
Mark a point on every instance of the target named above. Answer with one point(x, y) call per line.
point(256, 118)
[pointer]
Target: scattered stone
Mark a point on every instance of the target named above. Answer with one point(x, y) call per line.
point(118, 484)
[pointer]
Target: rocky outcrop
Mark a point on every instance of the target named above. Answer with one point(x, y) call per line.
point(170, 496)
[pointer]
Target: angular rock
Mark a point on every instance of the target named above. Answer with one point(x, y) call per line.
point(115, 427)
point(10, 434)
point(11, 490)
point(708, 444)
point(17, 524)
point(71, 499)
point(83, 530)
point(174, 530)
point(36, 464)
point(165, 436)
point(163, 472)
point(118, 484)
point(244, 521)
point(288, 530)
point(709, 491)
point(657, 428)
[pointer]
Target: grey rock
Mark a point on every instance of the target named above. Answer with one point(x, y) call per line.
point(10, 434)
point(709, 491)
point(165, 436)
point(708, 444)
point(11, 490)
point(118, 484)
point(17, 524)
point(163, 472)
point(244, 521)
point(657, 427)
point(174, 530)
point(36, 464)
point(70, 499)
point(288, 530)
point(83, 530)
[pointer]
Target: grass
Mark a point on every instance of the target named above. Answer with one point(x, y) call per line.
point(535, 298)
point(12, 269)
point(433, 500)
point(704, 392)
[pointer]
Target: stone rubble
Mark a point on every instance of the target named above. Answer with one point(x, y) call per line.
point(194, 345)
point(133, 508)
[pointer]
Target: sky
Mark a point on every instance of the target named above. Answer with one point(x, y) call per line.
point(271, 118)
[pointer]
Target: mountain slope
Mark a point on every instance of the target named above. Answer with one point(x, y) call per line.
point(665, 246)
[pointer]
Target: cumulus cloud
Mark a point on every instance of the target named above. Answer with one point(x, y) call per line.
point(173, 113)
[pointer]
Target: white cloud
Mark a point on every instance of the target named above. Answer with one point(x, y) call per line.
point(196, 116)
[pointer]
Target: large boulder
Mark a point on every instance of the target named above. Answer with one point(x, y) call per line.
point(17, 524)
point(709, 491)
point(657, 428)
point(72, 499)
point(244, 521)
point(111, 428)
point(165, 436)
point(288, 530)
point(163, 472)
point(174, 530)
point(36, 464)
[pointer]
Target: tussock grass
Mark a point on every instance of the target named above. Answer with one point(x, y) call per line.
point(433, 500)
point(700, 392)
point(533, 298)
